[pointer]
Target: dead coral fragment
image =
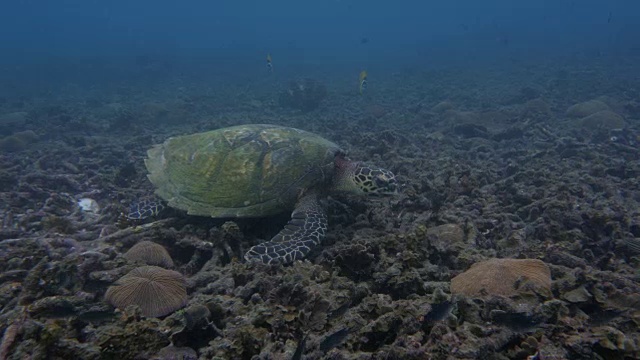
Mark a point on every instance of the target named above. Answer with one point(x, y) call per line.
point(150, 253)
point(155, 290)
point(506, 277)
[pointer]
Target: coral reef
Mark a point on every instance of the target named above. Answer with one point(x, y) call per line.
point(18, 141)
point(531, 167)
point(586, 108)
point(149, 253)
point(155, 290)
point(603, 119)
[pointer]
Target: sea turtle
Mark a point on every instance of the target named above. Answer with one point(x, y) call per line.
point(260, 170)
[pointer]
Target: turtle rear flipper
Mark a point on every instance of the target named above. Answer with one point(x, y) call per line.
point(144, 208)
point(306, 229)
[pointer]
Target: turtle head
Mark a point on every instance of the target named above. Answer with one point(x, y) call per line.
point(374, 180)
point(365, 179)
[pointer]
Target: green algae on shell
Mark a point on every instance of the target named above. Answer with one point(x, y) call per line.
point(240, 171)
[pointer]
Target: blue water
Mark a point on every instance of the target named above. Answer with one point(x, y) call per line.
point(307, 34)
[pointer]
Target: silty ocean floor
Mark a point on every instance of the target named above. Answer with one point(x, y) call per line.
point(520, 163)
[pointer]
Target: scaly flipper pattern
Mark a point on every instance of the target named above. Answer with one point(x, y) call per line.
point(306, 229)
point(144, 208)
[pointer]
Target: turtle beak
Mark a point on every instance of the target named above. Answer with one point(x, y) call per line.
point(386, 184)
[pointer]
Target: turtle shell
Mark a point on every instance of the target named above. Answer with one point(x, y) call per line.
point(240, 171)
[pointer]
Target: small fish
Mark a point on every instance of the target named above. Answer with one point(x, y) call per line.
point(341, 310)
point(364, 40)
point(297, 355)
point(363, 81)
point(333, 340)
point(503, 40)
point(609, 18)
point(519, 322)
point(269, 63)
point(535, 356)
point(439, 312)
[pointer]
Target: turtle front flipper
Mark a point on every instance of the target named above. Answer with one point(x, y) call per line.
point(305, 230)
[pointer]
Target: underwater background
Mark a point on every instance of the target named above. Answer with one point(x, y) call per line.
point(512, 128)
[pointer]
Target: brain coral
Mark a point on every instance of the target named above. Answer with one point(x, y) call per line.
point(505, 277)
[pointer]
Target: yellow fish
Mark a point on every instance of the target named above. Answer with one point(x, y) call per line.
point(269, 64)
point(363, 81)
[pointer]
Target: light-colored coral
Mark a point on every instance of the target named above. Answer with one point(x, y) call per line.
point(149, 253)
point(614, 104)
point(442, 107)
point(606, 119)
point(447, 237)
point(586, 108)
point(155, 290)
point(505, 277)
point(452, 233)
point(18, 141)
